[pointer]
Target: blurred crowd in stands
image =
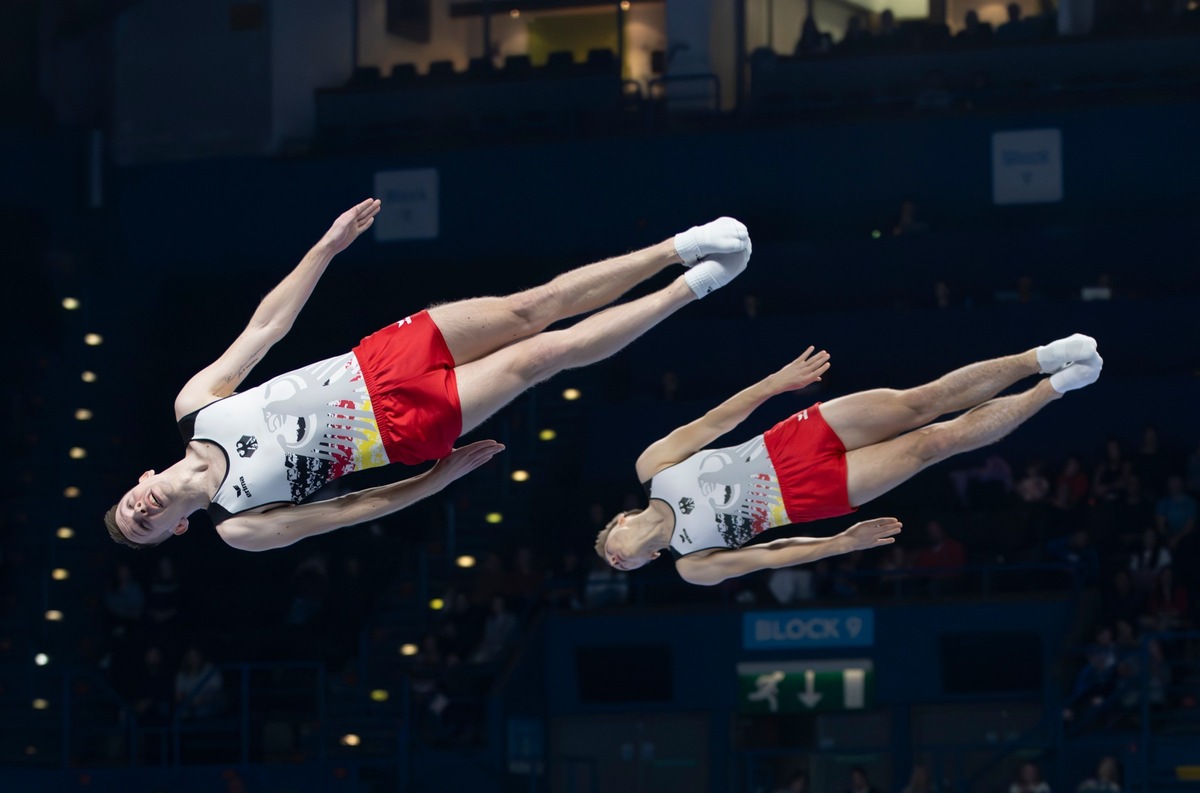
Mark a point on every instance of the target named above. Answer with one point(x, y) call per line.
point(886, 34)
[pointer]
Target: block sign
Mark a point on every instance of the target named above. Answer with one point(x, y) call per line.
point(805, 686)
point(410, 205)
point(1027, 167)
point(769, 630)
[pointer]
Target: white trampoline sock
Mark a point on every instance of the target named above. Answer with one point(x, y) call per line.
point(1078, 374)
point(716, 271)
point(1057, 354)
point(723, 235)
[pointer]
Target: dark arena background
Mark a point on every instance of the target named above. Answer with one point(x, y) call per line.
point(927, 183)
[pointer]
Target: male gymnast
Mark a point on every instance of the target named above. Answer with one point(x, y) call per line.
point(404, 394)
point(825, 461)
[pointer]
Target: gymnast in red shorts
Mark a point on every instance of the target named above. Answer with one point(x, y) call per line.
point(825, 461)
point(404, 394)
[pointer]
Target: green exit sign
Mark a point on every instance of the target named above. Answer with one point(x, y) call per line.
point(803, 686)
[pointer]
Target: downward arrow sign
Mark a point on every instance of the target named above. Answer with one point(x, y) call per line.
point(810, 697)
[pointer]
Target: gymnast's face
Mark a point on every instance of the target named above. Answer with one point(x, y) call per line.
point(150, 512)
point(624, 549)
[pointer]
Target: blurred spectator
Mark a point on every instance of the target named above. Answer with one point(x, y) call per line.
point(310, 585)
point(1167, 606)
point(907, 222)
point(1076, 550)
point(1135, 511)
point(1193, 472)
point(461, 625)
point(1033, 487)
point(1071, 486)
point(1145, 562)
point(199, 689)
point(162, 603)
point(859, 783)
point(1100, 290)
point(125, 600)
point(669, 386)
point(490, 581)
point(498, 631)
point(1095, 681)
point(797, 783)
point(1111, 477)
point(564, 589)
point(1121, 600)
point(974, 32)
point(920, 781)
point(790, 584)
point(1107, 778)
point(846, 579)
point(857, 37)
point(150, 689)
point(605, 585)
point(525, 579)
point(1029, 777)
point(1011, 30)
point(888, 35)
point(1151, 464)
point(1176, 514)
point(750, 305)
point(812, 41)
point(989, 483)
point(942, 558)
point(893, 567)
point(941, 295)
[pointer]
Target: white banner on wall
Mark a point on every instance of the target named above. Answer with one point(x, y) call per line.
point(1027, 167)
point(410, 205)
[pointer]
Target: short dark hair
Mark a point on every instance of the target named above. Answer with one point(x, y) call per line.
point(118, 536)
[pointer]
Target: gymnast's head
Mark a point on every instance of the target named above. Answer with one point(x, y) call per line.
point(149, 513)
point(625, 544)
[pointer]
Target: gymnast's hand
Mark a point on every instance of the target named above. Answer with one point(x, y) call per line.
point(350, 224)
point(804, 371)
point(461, 462)
point(872, 533)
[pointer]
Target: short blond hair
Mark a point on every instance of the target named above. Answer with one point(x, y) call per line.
point(602, 536)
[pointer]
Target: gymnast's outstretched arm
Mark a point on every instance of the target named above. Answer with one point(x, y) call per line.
point(284, 525)
point(691, 438)
point(275, 314)
point(713, 567)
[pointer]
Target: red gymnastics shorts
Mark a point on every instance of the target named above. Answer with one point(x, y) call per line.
point(409, 374)
point(810, 461)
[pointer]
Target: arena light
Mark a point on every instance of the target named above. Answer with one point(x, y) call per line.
point(77, 453)
point(83, 414)
point(494, 517)
point(71, 492)
point(93, 339)
point(547, 435)
point(54, 615)
point(41, 659)
point(625, 5)
point(70, 303)
point(465, 561)
point(437, 604)
point(380, 695)
point(350, 739)
point(64, 533)
point(40, 704)
point(571, 394)
point(520, 475)
point(408, 649)
point(515, 13)
point(88, 376)
point(60, 574)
